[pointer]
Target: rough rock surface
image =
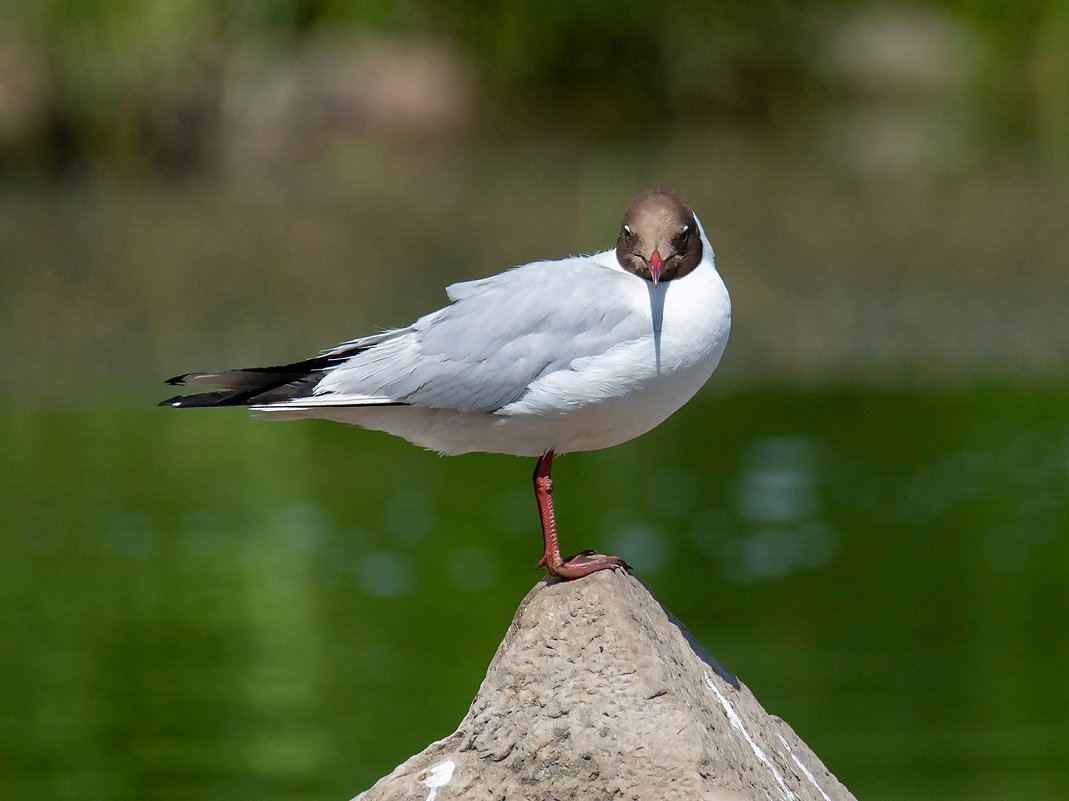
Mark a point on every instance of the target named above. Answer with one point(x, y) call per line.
point(597, 692)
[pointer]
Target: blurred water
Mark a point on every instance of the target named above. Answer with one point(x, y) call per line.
point(204, 605)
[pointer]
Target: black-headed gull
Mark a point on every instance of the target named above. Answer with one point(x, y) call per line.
point(549, 357)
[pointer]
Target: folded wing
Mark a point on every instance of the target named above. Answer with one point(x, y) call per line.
point(478, 354)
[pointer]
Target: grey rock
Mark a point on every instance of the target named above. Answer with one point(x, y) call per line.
point(597, 692)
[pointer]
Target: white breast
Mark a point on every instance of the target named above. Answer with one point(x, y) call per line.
point(610, 399)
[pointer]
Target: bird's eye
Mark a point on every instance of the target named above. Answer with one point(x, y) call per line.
point(627, 233)
point(683, 237)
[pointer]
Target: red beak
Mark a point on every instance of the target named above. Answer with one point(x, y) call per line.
point(656, 265)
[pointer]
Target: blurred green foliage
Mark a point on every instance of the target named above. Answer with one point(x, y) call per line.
point(117, 82)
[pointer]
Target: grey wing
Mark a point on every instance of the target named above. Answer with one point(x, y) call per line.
point(483, 351)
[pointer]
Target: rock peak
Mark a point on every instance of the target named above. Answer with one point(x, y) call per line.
point(598, 692)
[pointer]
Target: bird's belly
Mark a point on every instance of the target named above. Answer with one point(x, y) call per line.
point(600, 411)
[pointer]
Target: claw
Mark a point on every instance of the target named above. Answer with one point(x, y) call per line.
point(585, 563)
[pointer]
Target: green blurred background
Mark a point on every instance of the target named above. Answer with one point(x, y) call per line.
point(864, 515)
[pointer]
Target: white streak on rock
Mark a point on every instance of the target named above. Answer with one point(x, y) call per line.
point(736, 723)
point(440, 777)
point(803, 768)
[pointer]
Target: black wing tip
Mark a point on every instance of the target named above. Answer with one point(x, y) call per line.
point(251, 384)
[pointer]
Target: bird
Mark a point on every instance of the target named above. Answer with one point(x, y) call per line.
point(546, 358)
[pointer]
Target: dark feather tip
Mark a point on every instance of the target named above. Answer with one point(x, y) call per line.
point(177, 381)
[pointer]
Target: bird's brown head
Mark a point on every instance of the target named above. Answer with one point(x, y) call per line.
point(659, 240)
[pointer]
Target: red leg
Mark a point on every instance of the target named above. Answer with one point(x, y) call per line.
point(582, 564)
